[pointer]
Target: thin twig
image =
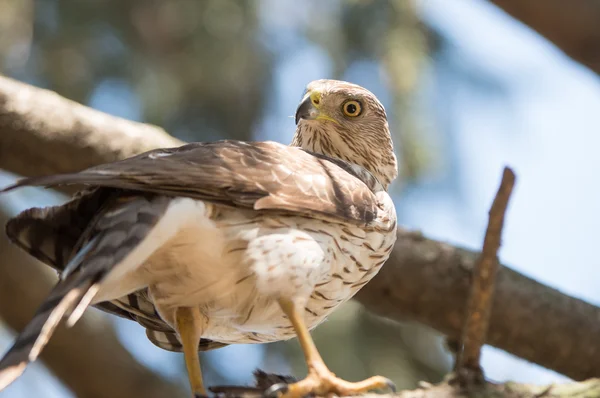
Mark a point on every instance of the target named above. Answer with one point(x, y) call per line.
point(482, 289)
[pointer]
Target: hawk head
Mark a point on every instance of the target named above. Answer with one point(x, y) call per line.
point(346, 121)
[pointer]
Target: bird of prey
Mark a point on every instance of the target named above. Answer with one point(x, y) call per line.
point(211, 244)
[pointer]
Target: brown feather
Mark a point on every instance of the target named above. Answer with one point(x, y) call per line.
point(259, 175)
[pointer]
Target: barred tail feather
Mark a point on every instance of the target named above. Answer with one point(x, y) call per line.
point(120, 228)
point(51, 234)
point(65, 297)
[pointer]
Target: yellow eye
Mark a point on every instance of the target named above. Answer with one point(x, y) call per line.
point(352, 108)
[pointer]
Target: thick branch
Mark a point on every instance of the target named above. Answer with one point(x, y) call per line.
point(44, 133)
point(88, 358)
point(570, 25)
point(589, 389)
point(428, 281)
point(446, 389)
point(424, 280)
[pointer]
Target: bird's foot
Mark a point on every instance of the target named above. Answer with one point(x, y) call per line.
point(324, 383)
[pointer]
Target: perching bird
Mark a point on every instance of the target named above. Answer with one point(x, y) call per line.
point(226, 242)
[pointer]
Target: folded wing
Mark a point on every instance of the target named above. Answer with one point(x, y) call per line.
point(259, 175)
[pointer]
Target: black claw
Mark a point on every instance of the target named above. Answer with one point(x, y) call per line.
point(391, 386)
point(235, 391)
point(200, 396)
point(276, 390)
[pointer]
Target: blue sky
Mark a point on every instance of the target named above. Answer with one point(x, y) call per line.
point(542, 120)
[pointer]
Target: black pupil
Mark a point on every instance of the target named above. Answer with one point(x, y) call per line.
point(351, 108)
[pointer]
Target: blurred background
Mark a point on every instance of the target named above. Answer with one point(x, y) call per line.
point(468, 90)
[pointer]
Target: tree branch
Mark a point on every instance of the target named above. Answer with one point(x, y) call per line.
point(479, 307)
point(572, 25)
point(424, 280)
point(428, 281)
point(44, 133)
point(588, 389)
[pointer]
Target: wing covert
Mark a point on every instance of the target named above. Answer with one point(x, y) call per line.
point(259, 175)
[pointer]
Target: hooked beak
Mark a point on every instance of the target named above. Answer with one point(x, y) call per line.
point(306, 110)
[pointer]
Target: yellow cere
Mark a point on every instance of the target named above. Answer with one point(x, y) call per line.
point(315, 98)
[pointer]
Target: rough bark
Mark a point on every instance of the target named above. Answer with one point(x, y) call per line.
point(589, 389)
point(571, 25)
point(42, 133)
point(424, 280)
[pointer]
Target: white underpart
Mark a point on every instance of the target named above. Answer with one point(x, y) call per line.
point(286, 263)
point(233, 265)
point(125, 277)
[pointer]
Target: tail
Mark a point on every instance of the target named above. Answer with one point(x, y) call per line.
point(62, 302)
point(121, 226)
point(51, 234)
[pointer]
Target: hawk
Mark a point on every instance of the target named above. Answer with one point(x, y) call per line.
point(211, 244)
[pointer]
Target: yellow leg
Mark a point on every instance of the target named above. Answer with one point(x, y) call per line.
point(190, 325)
point(320, 380)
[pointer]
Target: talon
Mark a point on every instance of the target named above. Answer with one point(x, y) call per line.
point(327, 384)
point(276, 390)
point(320, 380)
point(235, 391)
point(391, 386)
point(200, 396)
